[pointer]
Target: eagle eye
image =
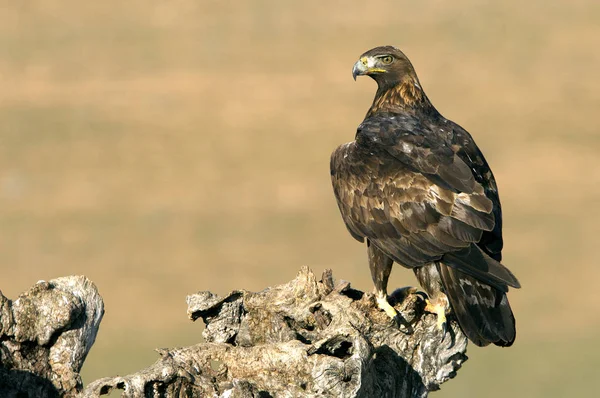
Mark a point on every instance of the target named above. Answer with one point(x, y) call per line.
point(387, 59)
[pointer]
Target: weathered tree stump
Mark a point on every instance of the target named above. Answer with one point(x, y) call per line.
point(45, 336)
point(303, 338)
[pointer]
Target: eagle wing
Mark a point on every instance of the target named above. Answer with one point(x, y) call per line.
point(421, 193)
point(491, 241)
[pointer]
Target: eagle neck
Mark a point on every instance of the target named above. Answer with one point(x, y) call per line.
point(405, 96)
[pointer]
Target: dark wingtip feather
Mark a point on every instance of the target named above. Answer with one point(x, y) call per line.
point(477, 263)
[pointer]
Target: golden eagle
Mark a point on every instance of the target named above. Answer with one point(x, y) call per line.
point(418, 189)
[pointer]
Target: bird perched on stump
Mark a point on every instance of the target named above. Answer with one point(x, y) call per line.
point(415, 187)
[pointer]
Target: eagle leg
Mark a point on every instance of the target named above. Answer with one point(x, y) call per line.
point(438, 307)
point(381, 267)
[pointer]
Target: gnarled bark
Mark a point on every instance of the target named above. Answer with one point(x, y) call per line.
point(45, 336)
point(303, 338)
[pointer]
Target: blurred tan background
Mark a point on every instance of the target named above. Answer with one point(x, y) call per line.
point(161, 148)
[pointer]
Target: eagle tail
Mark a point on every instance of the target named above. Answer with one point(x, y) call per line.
point(481, 309)
point(475, 262)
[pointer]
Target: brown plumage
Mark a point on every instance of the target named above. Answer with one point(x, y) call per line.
point(416, 187)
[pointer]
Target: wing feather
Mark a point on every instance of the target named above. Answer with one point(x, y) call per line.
point(415, 195)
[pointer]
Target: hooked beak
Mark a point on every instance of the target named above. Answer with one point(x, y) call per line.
point(359, 68)
point(365, 66)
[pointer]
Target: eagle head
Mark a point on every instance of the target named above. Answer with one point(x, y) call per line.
point(387, 65)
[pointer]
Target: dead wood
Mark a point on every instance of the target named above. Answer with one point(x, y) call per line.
point(303, 338)
point(45, 336)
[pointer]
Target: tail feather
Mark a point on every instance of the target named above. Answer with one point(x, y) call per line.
point(481, 309)
point(473, 261)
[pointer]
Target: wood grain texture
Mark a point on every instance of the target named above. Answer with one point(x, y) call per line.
point(303, 338)
point(307, 337)
point(45, 336)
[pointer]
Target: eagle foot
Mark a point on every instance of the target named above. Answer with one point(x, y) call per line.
point(400, 322)
point(438, 307)
point(383, 303)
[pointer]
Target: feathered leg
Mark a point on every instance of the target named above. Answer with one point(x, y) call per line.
point(381, 267)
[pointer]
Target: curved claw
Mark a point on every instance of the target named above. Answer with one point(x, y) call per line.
point(403, 325)
point(444, 329)
point(440, 311)
point(385, 306)
point(400, 322)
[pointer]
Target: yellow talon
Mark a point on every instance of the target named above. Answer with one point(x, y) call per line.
point(439, 309)
point(385, 306)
